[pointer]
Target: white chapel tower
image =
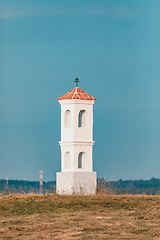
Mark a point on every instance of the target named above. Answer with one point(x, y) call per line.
point(76, 176)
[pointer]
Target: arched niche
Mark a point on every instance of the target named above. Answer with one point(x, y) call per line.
point(82, 118)
point(67, 160)
point(81, 160)
point(67, 119)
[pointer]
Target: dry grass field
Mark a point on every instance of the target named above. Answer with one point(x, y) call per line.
point(79, 217)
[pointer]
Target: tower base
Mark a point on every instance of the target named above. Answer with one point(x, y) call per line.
point(76, 183)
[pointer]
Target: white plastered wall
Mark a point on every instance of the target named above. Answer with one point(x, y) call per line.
point(74, 150)
point(74, 132)
point(74, 140)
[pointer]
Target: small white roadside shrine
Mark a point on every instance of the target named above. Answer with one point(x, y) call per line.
point(76, 176)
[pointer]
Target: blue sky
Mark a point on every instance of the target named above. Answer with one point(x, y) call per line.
point(113, 47)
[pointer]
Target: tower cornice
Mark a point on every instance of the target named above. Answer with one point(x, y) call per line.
point(76, 101)
point(79, 143)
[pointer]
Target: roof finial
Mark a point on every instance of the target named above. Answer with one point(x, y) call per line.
point(76, 81)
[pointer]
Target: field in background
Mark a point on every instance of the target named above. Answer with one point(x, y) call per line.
point(79, 217)
point(148, 187)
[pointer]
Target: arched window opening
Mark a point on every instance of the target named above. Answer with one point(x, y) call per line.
point(82, 119)
point(67, 120)
point(82, 160)
point(67, 160)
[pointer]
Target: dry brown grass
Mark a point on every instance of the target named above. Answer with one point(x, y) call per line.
point(79, 217)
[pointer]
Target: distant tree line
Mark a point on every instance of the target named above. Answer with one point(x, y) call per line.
point(148, 187)
point(24, 186)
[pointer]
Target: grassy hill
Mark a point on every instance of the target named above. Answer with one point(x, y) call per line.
point(79, 217)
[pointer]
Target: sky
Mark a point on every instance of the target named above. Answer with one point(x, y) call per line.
point(113, 47)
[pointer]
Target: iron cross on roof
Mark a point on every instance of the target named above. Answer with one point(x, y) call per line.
point(76, 81)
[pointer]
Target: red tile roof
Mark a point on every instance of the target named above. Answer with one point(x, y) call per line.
point(76, 93)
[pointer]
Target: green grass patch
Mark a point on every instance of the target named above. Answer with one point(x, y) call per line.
point(31, 204)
